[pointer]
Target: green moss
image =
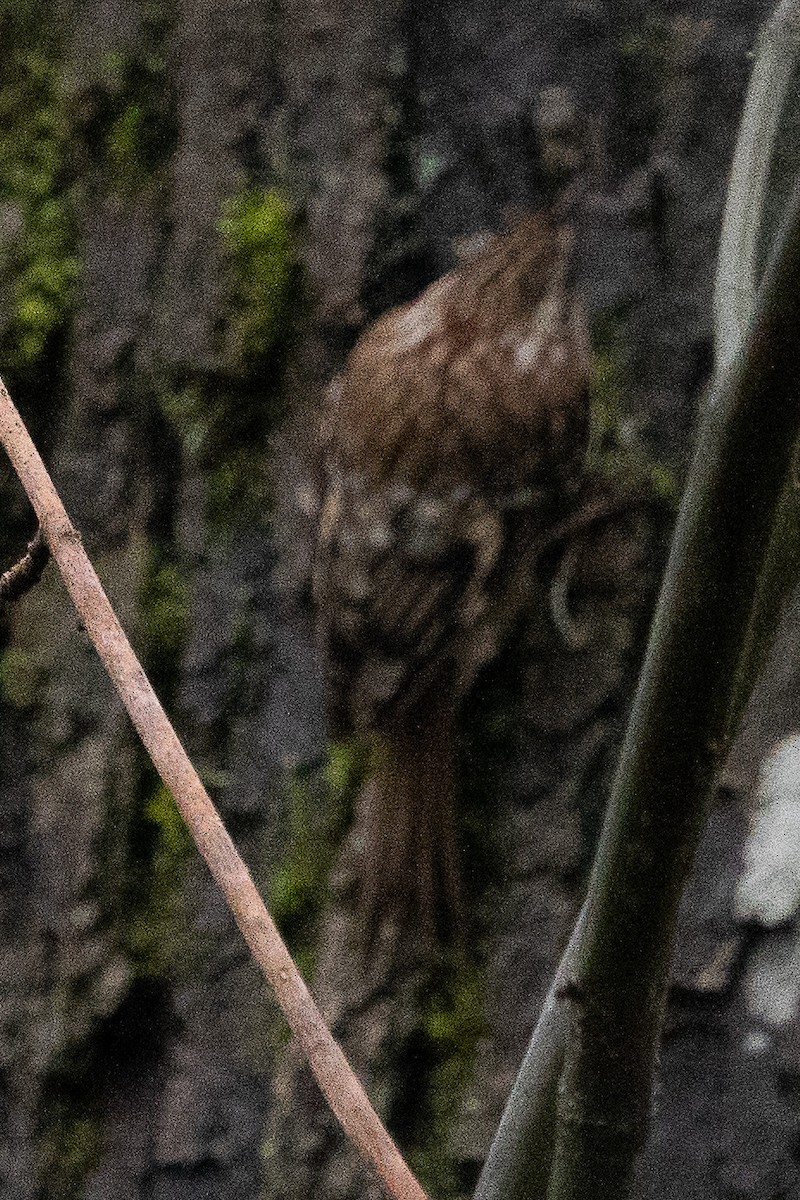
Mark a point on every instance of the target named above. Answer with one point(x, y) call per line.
point(257, 232)
point(237, 485)
point(616, 448)
point(346, 769)
point(664, 484)
point(126, 147)
point(41, 262)
point(165, 612)
point(165, 606)
point(451, 1018)
point(452, 1022)
point(174, 838)
point(214, 433)
point(151, 901)
point(20, 677)
point(71, 1149)
point(153, 930)
point(320, 803)
point(189, 414)
point(135, 128)
point(224, 416)
point(127, 124)
point(242, 688)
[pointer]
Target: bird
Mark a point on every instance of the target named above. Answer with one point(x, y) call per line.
point(452, 440)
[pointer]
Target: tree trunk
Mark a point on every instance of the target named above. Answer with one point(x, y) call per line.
point(200, 205)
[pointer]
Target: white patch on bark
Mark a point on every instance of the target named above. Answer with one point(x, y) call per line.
point(769, 887)
point(772, 985)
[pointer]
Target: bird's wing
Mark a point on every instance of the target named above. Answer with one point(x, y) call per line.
point(399, 576)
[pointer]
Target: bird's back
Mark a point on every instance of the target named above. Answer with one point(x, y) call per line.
point(455, 432)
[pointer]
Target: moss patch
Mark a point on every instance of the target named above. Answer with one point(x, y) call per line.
point(127, 121)
point(21, 674)
point(159, 841)
point(453, 1022)
point(165, 617)
point(257, 233)
point(224, 416)
point(320, 802)
point(153, 931)
point(71, 1148)
point(616, 447)
point(37, 249)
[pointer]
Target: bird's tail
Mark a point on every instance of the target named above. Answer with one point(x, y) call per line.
point(411, 880)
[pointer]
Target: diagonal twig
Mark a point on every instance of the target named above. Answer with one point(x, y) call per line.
point(338, 1083)
point(26, 573)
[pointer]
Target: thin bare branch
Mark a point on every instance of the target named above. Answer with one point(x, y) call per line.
point(26, 573)
point(336, 1079)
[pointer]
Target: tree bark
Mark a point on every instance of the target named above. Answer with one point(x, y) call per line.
point(137, 1052)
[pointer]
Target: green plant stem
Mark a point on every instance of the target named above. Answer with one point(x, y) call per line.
point(677, 739)
point(736, 281)
point(517, 1166)
point(519, 1160)
point(769, 92)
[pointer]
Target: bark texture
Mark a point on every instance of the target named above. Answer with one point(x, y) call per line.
point(170, 174)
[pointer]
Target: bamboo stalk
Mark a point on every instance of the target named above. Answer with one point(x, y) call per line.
point(777, 56)
point(776, 64)
point(520, 1157)
point(677, 740)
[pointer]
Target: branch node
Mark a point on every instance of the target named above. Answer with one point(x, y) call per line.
point(571, 991)
point(58, 528)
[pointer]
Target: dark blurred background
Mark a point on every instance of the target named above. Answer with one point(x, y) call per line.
point(201, 204)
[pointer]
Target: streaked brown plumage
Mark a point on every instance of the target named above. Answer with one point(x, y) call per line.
point(452, 440)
